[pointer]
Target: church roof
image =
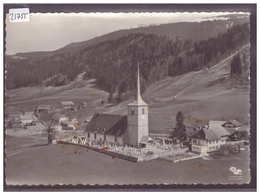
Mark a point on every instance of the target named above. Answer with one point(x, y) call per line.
point(108, 124)
point(138, 102)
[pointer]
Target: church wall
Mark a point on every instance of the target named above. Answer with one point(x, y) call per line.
point(143, 109)
point(137, 120)
point(91, 136)
point(138, 110)
point(143, 120)
point(110, 138)
point(142, 131)
point(132, 136)
point(120, 140)
point(100, 137)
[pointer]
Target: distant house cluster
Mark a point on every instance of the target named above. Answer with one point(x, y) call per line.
point(19, 119)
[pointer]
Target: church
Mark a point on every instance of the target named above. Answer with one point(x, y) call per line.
point(131, 130)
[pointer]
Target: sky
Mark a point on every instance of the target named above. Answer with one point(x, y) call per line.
point(51, 31)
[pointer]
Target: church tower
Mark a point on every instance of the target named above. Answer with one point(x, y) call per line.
point(137, 118)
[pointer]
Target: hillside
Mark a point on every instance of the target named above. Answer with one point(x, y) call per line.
point(201, 96)
point(113, 63)
point(184, 30)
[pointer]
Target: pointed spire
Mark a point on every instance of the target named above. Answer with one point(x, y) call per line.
point(139, 98)
point(138, 82)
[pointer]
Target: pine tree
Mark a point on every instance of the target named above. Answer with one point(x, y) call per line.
point(236, 66)
point(180, 129)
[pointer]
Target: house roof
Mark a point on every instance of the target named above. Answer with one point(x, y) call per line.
point(109, 124)
point(244, 128)
point(27, 116)
point(67, 103)
point(217, 122)
point(206, 134)
point(64, 121)
point(14, 115)
point(73, 120)
point(219, 130)
point(44, 107)
point(236, 123)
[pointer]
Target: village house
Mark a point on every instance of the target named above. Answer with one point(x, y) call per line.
point(15, 117)
point(44, 108)
point(67, 104)
point(232, 124)
point(209, 139)
point(241, 133)
point(67, 124)
point(28, 119)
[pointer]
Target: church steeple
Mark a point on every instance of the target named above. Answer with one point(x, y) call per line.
point(137, 118)
point(139, 100)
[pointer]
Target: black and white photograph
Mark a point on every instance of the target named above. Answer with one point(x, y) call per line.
point(127, 98)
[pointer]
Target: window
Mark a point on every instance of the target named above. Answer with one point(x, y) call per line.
point(105, 138)
point(143, 111)
point(115, 138)
point(194, 141)
point(95, 136)
point(88, 135)
point(132, 111)
point(198, 142)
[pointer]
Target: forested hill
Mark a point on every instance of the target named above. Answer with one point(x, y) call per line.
point(194, 31)
point(113, 63)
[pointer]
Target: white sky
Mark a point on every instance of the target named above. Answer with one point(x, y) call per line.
point(51, 31)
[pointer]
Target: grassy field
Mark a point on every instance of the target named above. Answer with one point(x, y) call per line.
point(67, 164)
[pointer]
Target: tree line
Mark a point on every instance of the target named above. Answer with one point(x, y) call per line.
point(113, 63)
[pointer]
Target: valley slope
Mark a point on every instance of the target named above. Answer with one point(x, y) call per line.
point(201, 96)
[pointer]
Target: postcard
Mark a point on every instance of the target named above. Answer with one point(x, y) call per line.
point(127, 98)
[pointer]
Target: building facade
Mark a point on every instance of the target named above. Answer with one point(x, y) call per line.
point(207, 140)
